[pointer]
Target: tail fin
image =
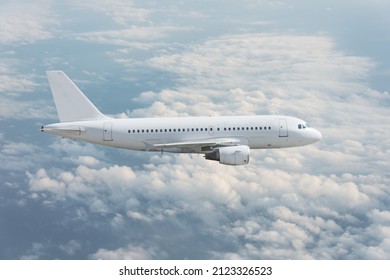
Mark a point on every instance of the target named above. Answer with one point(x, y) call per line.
point(71, 103)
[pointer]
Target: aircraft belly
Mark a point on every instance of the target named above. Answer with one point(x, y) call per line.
point(268, 142)
point(258, 142)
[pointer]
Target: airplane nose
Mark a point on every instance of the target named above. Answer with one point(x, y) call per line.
point(317, 136)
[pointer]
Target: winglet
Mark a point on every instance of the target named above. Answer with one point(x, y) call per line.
point(71, 103)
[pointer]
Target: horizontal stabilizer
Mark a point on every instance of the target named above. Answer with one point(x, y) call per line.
point(66, 129)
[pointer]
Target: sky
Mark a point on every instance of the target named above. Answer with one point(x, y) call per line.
point(326, 62)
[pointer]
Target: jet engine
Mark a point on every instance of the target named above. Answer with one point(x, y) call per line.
point(231, 155)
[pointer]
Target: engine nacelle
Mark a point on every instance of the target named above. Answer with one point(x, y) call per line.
point(232, 155)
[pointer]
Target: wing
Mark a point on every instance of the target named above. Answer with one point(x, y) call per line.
point(197, 146)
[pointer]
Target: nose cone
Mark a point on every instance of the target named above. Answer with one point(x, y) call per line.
point(315, 135)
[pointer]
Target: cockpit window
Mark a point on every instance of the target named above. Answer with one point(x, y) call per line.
point(303, 126)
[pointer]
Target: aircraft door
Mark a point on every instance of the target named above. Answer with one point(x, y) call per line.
point(107, 131)
point(283, 128)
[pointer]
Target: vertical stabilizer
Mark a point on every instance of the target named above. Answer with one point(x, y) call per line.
point(71, 103)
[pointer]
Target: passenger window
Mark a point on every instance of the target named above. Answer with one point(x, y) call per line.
point(299, 126)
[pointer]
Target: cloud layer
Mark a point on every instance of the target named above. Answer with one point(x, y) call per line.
point(325, 201)
point(22, 23)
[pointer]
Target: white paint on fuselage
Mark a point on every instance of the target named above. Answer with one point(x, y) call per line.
point(257, 132)
point(224, 139)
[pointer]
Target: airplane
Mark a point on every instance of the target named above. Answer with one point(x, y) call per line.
point(226, 139)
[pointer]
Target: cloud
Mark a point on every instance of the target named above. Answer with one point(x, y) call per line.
point(122, 12)
point(16, 90)
point(11, 82)
point(17, 148)
point(12, 152)
point(130, 37)
point(132, 252)
point(25, 23)
point(71, 248)
point(22, 109)
point(87, 160)
point(261, 73)
point(37, 251)
point(277, 214)
point(325, 201)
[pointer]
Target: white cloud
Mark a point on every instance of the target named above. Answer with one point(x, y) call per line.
point(304, 76)
point(11, 108)
point(132, 252)
point(37, 251)
point(14, 149)
point(262, 73)
point(18, 156)
point(130, 37)
point(12, 83)
point(87, 160)
point(277, 213)
point(23, 23)
point(329, 200)
point(121, 11)
point(14, 88)
point(41, 182)
point(71, 248)
point(322, 201)
point(303, 203)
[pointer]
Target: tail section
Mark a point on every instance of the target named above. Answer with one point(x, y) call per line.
point(71, 103)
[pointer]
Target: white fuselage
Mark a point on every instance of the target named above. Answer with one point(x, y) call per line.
point(224, 139)
point(256, 132)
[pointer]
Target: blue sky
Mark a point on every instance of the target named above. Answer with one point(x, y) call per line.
point(326, 62)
